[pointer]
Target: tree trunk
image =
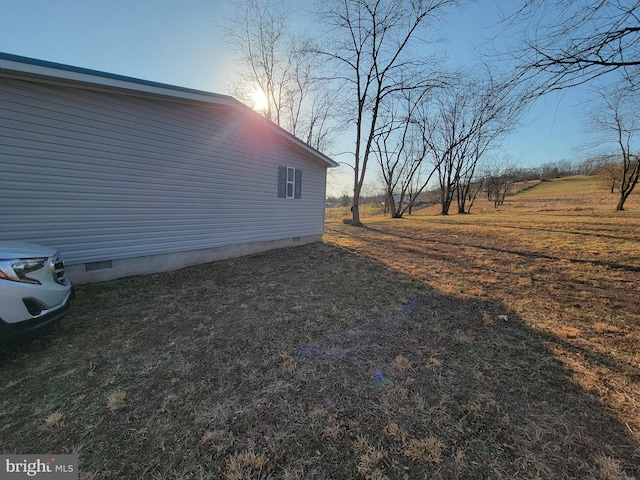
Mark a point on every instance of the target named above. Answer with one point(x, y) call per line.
point(446, 204)
point(461, 196)
point(355, 210)
point(629, 182)
point(446, 197)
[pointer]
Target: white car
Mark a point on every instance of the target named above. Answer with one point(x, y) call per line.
point(33, 289)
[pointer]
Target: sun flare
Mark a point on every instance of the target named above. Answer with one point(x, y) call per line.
point(260, 102)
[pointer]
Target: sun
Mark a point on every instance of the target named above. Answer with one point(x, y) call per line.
point(260, 102)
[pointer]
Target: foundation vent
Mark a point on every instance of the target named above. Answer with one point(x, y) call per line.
point(93, 266)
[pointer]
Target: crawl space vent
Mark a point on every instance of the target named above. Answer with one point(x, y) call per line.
point(93, 266)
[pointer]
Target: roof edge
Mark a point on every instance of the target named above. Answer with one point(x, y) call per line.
point(26, 65)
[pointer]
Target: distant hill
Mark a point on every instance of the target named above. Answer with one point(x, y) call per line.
point(578, 192)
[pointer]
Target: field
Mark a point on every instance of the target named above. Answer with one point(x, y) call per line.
point(501, 344)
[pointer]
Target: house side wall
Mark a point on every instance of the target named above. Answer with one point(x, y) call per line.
point(105, 177)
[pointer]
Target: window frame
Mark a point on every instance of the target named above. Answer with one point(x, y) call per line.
point(291, 182)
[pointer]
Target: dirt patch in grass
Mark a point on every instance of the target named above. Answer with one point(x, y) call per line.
point(424, 348)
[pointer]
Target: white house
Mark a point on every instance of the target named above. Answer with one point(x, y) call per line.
point(126, 176)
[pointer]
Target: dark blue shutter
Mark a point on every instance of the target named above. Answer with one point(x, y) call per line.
point(298, 185)
point(282, 182)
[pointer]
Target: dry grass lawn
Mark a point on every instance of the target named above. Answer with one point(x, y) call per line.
point(502, 344)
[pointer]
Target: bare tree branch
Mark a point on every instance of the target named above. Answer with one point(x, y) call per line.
point(567, 44)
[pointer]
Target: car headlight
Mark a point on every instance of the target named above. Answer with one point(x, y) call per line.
point(17, 270)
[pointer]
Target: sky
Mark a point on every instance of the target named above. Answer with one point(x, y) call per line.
point(178, 42)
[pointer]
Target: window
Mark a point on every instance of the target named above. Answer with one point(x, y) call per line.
point(289, 182)
point(291, 178)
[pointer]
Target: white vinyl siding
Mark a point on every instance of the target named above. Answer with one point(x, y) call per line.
point(102, 175)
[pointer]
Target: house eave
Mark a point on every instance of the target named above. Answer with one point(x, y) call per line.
point(17, 66)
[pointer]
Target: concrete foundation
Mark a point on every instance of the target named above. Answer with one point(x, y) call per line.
point(116, 268)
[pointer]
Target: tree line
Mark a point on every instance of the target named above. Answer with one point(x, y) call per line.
point(495, 182)
point(372, 69)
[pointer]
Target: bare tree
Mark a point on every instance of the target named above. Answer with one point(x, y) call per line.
point(617, 120)
point(568, 43)
point(470, 192)
point(611, 174)
point(470, 117)
point(370, 44)
point(499, 179)
point(495, 112)
point(468, 186)
point(449, 142)
point(401, 148)
point(276, 62)
point(593, 164)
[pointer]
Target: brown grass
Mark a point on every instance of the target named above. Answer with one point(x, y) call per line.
point(115, 399)
point(494, 345)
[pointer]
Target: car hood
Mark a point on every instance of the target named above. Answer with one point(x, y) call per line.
point(11, 249)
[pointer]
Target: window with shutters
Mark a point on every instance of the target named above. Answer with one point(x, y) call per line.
point(289, 182)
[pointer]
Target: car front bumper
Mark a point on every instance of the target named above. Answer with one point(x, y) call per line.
point(12, 331)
